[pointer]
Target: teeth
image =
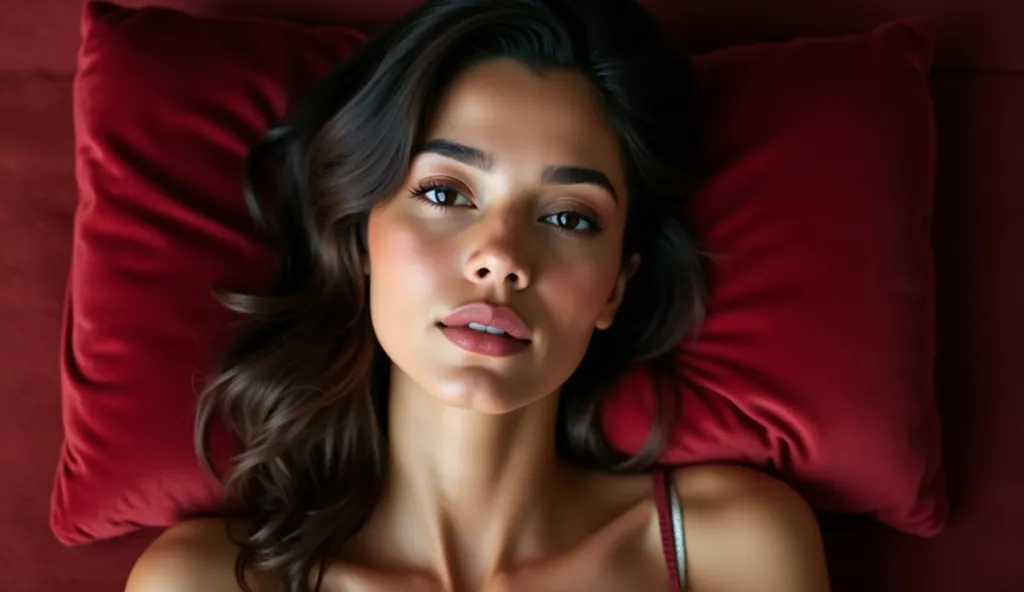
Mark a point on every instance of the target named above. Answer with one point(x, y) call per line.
point(485, 329)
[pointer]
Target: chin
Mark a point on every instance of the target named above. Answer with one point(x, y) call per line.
point(481, 390)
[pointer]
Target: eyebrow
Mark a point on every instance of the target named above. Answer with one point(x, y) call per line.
point(558, 175)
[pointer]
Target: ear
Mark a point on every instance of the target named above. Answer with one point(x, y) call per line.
point(611, 307)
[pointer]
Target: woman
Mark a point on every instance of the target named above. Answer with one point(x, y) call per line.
point(479, 227)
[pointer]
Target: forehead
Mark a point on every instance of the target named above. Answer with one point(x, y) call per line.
point(520, 115)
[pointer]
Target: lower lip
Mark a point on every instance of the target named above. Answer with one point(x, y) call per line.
point(487, 344)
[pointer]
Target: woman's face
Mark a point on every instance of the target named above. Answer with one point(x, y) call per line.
point(517, 199)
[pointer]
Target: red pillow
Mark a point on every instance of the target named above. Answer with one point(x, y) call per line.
point(817, 357)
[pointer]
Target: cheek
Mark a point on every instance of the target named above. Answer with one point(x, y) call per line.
point(404, 274)
point(577, 292)
point(395, 251)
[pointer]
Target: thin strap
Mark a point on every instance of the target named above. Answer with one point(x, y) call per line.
point(678, 534)
point(670, 521)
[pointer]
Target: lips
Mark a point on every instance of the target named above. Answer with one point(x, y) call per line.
point(483, 315)
point(483, 343)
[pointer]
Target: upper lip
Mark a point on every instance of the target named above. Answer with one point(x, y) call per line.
point(499, 317)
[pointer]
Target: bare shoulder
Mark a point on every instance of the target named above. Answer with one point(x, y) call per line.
point(746, 530)
point(193, 556)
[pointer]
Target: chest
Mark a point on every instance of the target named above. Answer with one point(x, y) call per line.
point(607, 577)
point(628, 563)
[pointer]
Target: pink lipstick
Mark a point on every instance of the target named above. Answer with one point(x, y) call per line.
point(480, 328)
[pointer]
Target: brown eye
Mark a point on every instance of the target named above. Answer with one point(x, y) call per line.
point(572, 222)
point(569, 219)
point(441, 195)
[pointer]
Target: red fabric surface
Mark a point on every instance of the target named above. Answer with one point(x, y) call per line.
point(985, 34)
point(816, 361)
point(979, 246)
point(37, 205)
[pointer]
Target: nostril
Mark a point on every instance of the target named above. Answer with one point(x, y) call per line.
point(512, 278)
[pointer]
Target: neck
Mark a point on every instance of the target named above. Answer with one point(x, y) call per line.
point(471, 489)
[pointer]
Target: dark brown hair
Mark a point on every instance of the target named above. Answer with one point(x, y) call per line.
point(304, 384)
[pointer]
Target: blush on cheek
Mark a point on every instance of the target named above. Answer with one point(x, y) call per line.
point(578, 293)
point(403, 287)
point(406, 265)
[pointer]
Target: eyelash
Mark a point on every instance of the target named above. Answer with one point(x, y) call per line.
point(419, 192)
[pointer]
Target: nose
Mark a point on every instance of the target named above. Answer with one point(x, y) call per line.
point(498, 258)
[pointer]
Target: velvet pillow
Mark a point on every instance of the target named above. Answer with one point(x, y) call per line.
point(816, 362)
